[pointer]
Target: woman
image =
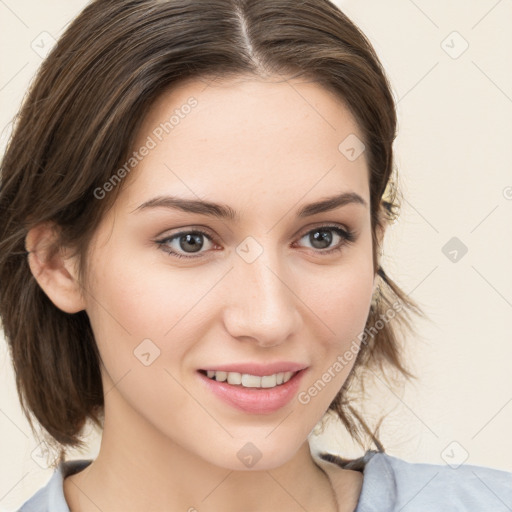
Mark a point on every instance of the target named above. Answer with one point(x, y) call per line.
point(192, 207)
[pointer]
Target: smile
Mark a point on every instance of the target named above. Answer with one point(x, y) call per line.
point(253, 394)
point(247, 380)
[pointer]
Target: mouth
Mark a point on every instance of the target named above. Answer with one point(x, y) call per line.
point(253, 389)
point(247, 380)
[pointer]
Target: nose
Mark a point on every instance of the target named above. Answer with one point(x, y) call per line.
point(262, 305)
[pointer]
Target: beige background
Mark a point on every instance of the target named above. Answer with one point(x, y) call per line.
point(454, 153)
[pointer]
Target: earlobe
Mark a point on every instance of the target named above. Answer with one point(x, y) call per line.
point(55, 273)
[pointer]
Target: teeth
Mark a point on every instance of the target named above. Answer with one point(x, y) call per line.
point(251, 381)
point(235, 378)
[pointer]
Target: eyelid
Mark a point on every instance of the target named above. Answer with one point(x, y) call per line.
point(208, 232)
point(323, 225)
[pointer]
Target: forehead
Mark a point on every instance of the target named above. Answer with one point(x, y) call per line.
point(250, 135)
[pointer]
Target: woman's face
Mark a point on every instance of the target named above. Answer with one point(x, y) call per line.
point(260, 289)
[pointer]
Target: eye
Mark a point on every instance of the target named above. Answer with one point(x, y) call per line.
point(322, 238)
point(184, 241)
point(190, 242)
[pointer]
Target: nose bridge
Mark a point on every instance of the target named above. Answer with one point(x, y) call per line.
point(261, 305)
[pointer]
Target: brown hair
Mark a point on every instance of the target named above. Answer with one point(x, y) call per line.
point(79, 121)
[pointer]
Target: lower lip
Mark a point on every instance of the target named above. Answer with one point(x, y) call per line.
point(255, 400)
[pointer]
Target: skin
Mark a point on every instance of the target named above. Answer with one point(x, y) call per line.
point(168, 444)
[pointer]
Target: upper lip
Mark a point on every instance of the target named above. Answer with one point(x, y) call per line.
point(258, 369)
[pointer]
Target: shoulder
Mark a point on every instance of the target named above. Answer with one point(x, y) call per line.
point(50, 498)
point(392, 484)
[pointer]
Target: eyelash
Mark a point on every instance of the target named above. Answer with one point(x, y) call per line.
point(347, 236)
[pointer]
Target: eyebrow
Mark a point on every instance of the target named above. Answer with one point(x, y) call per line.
point(224, 211)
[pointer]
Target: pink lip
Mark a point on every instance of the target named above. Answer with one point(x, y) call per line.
point(258, 369)
point(254, 400)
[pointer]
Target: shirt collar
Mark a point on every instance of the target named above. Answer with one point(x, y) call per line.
point(56, 500)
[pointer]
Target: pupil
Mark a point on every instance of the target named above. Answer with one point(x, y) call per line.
point(322, 236)
point(192, 240)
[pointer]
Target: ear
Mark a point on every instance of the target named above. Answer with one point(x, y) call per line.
point(56, 274)
point(380, 230)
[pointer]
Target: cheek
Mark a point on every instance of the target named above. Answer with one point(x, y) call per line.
point(343, 301)
point(340, 301)
point(145, 313)
point(341, 296)
point(143, 299)
point(335, 354)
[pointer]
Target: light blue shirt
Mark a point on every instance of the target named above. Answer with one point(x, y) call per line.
point(390, 484)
